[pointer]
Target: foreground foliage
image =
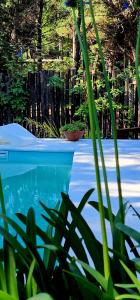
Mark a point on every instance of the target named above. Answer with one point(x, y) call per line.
point(65, 256)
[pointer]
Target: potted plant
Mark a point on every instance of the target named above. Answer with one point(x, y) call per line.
point(73, 131)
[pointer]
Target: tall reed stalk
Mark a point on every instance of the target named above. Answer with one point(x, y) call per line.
point(94, 129)
point(2, 204)
point(114, 130)
point(98, 136)
point(94, 124)
point(113, 122)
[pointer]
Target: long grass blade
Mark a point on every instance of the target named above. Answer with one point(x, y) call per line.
point(73, 238)
point(56, 236)
point(127, 238)
point(3, 286)
point(94, 247)
point(31, 228)
point(2, 203)
point(43, 236)
point(132, 276)
point(10, 270)
point(134, 234)
point(79, 209)
point(5, 296)
point(128, 296)
point(96, 275)
point(45, 284)
point(31, 281)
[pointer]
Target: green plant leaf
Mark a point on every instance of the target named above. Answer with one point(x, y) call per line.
point(98, 277)
point(127, 238)
point(2, 203)
point(94, 247)
point(107, 285)
point(30, 280)
point(79, 208)
point(3, 286)
point(55, 236)
point(47, 240)
point(31, 228)
point(129, 231)
point(13, 242)
point(132, 276)
point(110, 288)
point(42, 234)
point(10, 270)
point(5, 296)
point(96, 206)
point(128, 296)
point(87, 287)
point(125, 285)
point(73, 238)
point(41, 296)
point(49, 244)
point(42, 272)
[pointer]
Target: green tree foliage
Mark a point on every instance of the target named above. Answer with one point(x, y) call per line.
point(120, 30)
point(117, 22)
point(13, 94)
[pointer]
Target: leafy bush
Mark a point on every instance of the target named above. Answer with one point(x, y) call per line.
point(56, 81)
point(13, 94)
point(47, 129)
point(74, 126)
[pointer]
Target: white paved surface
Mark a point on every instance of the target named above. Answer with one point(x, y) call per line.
point(83, 173)
point(83, 177)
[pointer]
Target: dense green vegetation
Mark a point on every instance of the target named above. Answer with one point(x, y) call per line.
point(37, 30)
point(38, 35)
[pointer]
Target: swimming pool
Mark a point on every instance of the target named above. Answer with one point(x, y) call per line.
point(30, 176)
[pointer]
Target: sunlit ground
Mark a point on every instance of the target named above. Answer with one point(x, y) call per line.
point(83, 178)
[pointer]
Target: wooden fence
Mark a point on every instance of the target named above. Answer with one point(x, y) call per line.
point(50, 97)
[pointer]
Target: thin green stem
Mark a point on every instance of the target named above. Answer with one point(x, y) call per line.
point(137, 60)
point(92, 109)
point(2, 203)
point(98, 135)
point(114, 130)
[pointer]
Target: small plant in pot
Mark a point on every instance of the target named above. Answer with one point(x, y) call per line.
point(73, 131)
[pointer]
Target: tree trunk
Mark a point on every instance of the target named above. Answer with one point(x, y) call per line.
point(76, 45)
point(39, 35)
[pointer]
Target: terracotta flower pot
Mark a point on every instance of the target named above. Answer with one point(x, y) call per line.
point(74, 135)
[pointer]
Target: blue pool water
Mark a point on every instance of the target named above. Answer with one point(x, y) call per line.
point(30, 176)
